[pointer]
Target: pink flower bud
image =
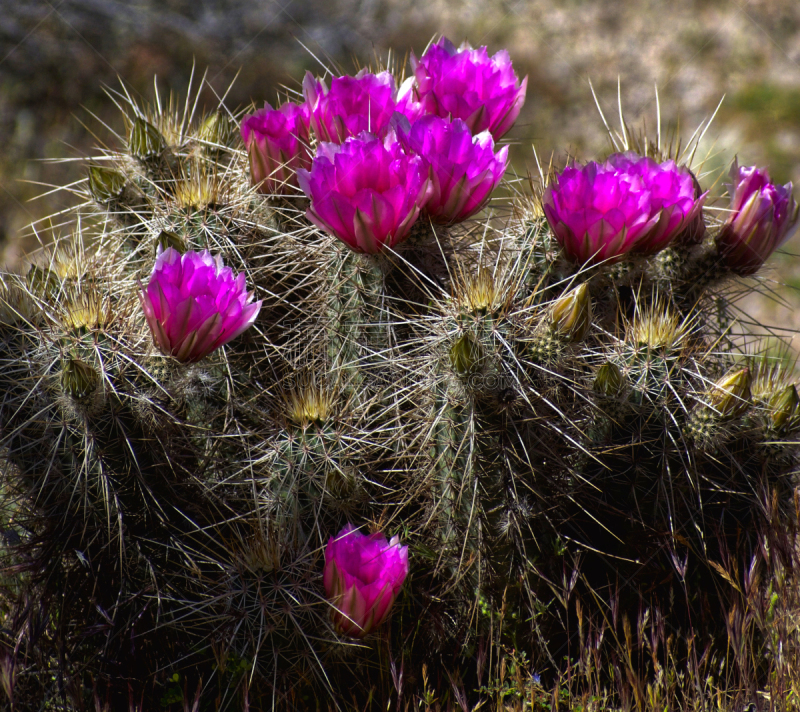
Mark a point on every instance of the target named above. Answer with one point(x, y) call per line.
point(277, 141)
point(465, 84)
point(464, 169)
point(366, 191)
point(194, 304)
point(363, 575)
point(763, 216)
point(352, 105)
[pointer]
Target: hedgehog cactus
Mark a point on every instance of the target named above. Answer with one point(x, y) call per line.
point(513, 397)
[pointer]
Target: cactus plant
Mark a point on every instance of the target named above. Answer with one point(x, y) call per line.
point(536, 400)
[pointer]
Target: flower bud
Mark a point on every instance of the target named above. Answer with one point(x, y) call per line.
point(78, 378)
point(362, 576)
point(465, 355)
point(167, 239)
point(730, 396)
point(219, 129)
point(105, 183)
point(572, 314)
point(608, 380)
point(762, 217)
point(145, 140)
point(309, 406)
point(783, 406)
point(41, 280)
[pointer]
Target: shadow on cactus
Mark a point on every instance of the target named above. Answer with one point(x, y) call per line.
point(250, 363)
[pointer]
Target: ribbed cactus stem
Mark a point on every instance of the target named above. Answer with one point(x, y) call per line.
point(472, 527)
point(686, 272)
point(457, 498)
point(610, 387)
point(537, 253)
point(358, 338)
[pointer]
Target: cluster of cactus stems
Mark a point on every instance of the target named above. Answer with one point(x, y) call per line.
point(535, 414)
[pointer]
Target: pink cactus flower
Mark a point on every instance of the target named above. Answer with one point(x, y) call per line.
point(597, 213)
point(194, 304)
point(366, 191)
point(277, 144)
point(465, 84)
point(763, 216)
point(365, 102)
point(674, 199)
point(464, 169)
point(363, 575)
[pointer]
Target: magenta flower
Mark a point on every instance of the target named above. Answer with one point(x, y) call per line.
point(763, 216)
point(366, 191)
point(597, 213)
point(365, 102)
point(674, 199)
point(363, 575)
point(277, 141)
point(464, 170)
point(465, 84)
point(194, 304)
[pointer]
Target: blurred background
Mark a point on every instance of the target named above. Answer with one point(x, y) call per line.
point(56, 57)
